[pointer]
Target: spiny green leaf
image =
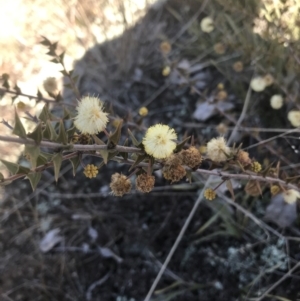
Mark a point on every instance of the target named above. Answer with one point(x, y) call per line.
point(15, 168)
point(57, 159)
point(104, 154)
point(45, 114)
point(33, 153)
point(181, 144)
point(75, 163)
point(45, 41)
point(230, 188)
point(138, 160)
point(1, 176)
point(62, 135)
point(41, 160)
point(12, 167)
point(36, 135)
point(39, 95)
point(34, 179)
point(114, 138)
point(98, 140)
point(49, 132)
point(71, 132)
point(133, 139)
point(23, 170)
point(19, 128)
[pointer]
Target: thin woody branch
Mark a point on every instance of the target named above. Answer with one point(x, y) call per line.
point(72, 147)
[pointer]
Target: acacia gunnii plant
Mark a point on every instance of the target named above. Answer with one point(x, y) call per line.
point(75, 134)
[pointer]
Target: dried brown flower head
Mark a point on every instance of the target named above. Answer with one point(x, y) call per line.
point(243, 158)
point(222, 95)
point(269, 79)
point(173, 170)
point(165, 47)
point(119, 184)
point(253, 188)
point(191, 157)
point(238, 66)
point(222, 128)
point(144, 183)
point(219, 48)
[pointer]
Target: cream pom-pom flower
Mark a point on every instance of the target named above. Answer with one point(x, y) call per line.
point(91, 119)
point(258, 84)
point(217, 149)
point(159, 141)
point(207, 24)
point(294, 118)
point(276, 101)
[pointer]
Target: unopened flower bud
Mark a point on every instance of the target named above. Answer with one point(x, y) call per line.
point(209, 194)
point(90, 171)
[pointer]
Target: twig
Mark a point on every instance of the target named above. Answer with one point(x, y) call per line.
point(278, 282)
point(99, 282)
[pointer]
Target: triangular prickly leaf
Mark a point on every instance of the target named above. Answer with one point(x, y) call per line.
point(23, 170)
point(19, 129)
point(32, 152)
point(39, 95)
point(34, 179)
point(104, 154)
point(114, 138)
point(180, 145)
point(45, 114)
point(49, 132)
point(62, 135)
point(291, 179)
point(230, 188)
point(45, 41)
point(71, 132)
point(98, 140)
point(36, 134)
point(133, 139)
point(57, 159)
point(1, 177)
point(75, 163)
point(41, 160)
point(12, 167)
point(66, 114)
point(138, 160)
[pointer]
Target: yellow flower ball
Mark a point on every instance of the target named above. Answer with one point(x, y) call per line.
point(159, 141)
point(143, 111)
